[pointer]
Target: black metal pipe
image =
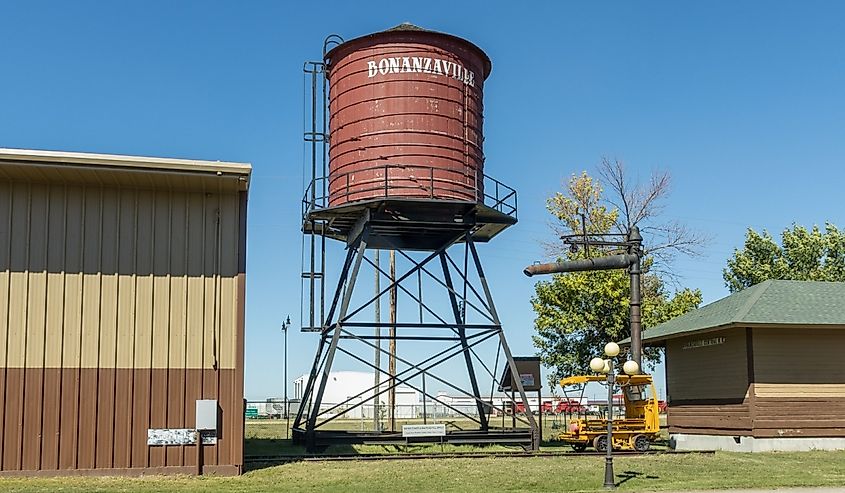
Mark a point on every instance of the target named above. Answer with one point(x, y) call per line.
point(621, 261)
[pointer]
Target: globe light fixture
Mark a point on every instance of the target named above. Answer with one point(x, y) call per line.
point(597, 365)
point(611, 349)
point(631, 367)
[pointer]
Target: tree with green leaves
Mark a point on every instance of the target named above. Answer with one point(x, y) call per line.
point(803, 255)
point(577, 313)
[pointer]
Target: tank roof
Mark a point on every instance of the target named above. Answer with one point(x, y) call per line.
point(407, 27)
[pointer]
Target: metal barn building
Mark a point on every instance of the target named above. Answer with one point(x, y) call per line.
point(121, 305)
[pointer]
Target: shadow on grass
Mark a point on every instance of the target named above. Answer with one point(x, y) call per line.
point(260, 453)
point(629, 475)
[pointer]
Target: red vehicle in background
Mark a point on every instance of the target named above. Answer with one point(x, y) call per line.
point(514, 407)
point(570, 406)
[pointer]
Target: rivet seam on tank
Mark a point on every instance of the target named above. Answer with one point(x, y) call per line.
point(421, 65)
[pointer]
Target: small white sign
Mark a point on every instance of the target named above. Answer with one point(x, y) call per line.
point(172, 436)
point(179, 436)
point(424, 430)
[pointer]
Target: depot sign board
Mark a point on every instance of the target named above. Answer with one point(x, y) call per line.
point(420, 65)
point(699, 343)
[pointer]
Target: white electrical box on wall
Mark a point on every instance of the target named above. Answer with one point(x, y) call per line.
point(207, 414)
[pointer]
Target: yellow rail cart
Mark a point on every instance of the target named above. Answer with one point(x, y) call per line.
point(635, 431)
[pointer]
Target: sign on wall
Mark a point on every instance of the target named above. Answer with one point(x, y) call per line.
point(179, 436)
point(698, 343)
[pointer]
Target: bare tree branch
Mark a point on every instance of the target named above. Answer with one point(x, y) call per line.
point(642, 204)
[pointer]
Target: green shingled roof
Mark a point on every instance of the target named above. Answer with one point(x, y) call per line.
point(770, 302)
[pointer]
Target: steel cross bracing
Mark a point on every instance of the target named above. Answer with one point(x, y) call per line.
point(462, 338)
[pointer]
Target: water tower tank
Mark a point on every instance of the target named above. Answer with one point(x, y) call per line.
point(406, 117)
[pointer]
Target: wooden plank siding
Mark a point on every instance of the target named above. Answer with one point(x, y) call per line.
point(707, 386)
point(119, 307)
point(761, 382)
point(799, 382)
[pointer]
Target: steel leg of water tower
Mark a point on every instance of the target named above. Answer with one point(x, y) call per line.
point(327, 366)
point(347, 295)
point(315, 367)
point(462, 333)
point(505, 348)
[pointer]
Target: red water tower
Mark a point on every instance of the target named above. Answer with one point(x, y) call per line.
point(396, 162)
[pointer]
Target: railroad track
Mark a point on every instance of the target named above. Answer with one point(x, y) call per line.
point(281, 459)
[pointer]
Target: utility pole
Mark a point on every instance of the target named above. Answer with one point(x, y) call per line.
point(391, 366)
point(377, 358)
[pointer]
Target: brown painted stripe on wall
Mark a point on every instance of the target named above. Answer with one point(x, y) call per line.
point(123, 419)
point(32, 415)
point(175, 406)
point(104, 443)
point(3, 412)
point(167, 412)
point(12, 424)
point(68, 434)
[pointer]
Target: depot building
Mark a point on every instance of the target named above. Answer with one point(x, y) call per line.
point(758, 370)
point(122, 282)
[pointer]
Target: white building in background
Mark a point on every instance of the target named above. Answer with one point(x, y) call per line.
point(343, 385)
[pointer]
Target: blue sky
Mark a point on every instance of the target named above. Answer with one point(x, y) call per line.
point(741, 101)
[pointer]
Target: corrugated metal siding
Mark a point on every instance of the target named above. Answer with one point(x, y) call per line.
point(118, 309)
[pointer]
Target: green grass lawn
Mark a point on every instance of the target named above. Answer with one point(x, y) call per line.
point(573, 473)
point(643, 473)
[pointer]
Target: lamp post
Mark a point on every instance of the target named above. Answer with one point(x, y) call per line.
point(285, 326)
point(606, 366)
